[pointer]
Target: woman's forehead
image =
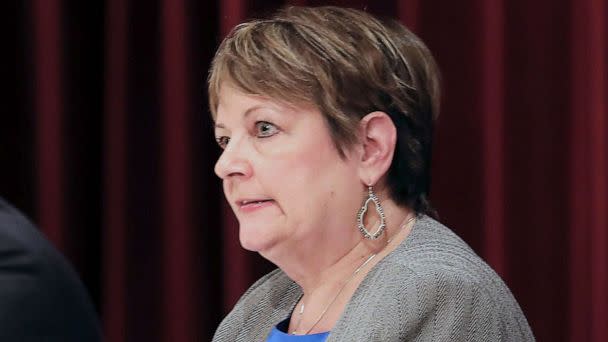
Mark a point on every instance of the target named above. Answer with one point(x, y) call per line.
point(231, 99)
point(234, 102)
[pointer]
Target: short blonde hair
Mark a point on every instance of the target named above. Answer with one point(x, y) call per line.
point(348, 64)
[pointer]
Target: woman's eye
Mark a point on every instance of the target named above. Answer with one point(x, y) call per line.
point(222, 141)
point(265, 129)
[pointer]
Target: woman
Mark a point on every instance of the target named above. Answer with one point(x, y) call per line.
point(325, 117)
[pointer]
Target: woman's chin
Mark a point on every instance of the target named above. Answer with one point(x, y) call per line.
point(257, 239)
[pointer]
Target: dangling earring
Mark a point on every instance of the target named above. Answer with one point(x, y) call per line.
point(366, 234)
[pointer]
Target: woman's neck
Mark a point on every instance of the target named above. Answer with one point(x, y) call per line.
point(328, 261)
point(327, 292)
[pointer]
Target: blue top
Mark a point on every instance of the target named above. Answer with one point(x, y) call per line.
point(279, 334)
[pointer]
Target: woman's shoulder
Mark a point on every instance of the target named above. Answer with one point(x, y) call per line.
point(436, 260)
point(433, 254)
point(268, 301)
point(272, 287)
point(432, 247)
point(435, 274)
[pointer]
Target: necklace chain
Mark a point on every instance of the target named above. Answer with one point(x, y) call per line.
point(342, 287)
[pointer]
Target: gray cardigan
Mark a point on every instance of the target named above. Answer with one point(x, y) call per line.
point(432, 287)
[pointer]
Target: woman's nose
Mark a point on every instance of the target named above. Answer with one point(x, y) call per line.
point(233, 162)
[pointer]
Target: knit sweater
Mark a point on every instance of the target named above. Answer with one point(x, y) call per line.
point(432, 287)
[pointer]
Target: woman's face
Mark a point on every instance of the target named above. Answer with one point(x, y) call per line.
point(282, 174)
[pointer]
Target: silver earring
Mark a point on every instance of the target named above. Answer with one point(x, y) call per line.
point(366, 234)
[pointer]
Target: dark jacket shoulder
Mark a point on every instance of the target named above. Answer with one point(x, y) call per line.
point(41, 296)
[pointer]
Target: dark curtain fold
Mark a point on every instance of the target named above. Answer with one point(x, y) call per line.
point(106, 142)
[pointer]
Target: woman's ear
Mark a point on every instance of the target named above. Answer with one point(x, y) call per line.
point(378, 139)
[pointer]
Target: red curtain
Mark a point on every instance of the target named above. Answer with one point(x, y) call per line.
point(107, 144)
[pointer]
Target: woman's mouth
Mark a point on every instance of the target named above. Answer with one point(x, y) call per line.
point(254, 204)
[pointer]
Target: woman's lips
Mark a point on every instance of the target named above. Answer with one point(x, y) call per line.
point(254, 205)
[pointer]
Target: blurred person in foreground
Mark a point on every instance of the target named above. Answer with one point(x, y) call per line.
point(325, 117)
point(41, 297)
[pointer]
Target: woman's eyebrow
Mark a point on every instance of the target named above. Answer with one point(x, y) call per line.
point(245, 114)
point(253, 109)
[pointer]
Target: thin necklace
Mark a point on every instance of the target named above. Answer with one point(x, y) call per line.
point(330, 303)
point(402, 228)
point(342, 287)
